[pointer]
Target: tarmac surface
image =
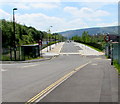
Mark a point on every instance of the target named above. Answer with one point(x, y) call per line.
point(96, 82)
point(93, 79)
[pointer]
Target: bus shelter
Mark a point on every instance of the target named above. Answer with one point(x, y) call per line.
point(30, 51)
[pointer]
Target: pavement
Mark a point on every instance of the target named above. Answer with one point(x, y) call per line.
point(87, 50)
point(55, 50)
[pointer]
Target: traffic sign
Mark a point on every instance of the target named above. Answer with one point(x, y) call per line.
point(107, 38)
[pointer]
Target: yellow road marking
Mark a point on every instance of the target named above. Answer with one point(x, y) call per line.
point(54, 84)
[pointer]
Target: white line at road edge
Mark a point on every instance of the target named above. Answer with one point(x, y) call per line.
point(50, 88)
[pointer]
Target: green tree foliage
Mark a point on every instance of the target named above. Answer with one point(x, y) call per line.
point(23, 34)
point(96, 41)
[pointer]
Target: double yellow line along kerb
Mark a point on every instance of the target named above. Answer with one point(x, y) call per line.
point(39, 95)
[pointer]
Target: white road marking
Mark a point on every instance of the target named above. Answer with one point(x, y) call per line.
point(3, 70)
point(94, 64)
point(69, 53)
point(30, 65)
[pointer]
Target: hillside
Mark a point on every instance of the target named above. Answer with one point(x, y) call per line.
point(91, 31)
point(23, 34)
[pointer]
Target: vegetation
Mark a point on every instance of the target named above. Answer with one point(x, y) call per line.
point(96, 41)
point(117, 65)
point(24, 35)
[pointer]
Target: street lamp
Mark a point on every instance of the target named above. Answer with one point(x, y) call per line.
point(14, 32)
point(49, 36)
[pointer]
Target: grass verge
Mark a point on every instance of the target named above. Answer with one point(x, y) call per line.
point(93, 47)
point(34, 58)
point(117, 66)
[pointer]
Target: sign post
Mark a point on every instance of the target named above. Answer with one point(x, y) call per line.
point(40, 46)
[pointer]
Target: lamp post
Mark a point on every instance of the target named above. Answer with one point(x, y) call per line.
point(49, 36)
point(14, 32)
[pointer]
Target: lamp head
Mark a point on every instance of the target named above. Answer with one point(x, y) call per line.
point(14, 8)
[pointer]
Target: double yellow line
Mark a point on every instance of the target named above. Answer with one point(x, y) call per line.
point(32, 100)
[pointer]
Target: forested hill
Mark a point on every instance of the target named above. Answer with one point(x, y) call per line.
point(91, 31)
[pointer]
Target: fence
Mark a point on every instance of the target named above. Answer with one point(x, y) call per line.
point(8, 54)
point(112, 51)
point(22, 53)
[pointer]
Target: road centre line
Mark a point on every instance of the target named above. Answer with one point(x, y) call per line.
point(47, 90)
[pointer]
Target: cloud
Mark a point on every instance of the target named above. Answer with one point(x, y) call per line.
point(21, 5)
point(108, 1)
point(86, 12)
point(61, 1)
point(39, 20)
point(44, 5)
point(34, 5)
point(42, 22)
point(23, 1)
point(107, 24)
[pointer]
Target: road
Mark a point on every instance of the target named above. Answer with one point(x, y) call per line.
point(22, 81)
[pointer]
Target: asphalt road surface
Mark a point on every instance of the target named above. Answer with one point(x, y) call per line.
point(21, 82)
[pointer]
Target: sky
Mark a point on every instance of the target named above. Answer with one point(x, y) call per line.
point(62, 15)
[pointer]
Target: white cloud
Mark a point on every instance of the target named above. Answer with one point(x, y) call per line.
point(44, 5)
point(42, 22)
point(108, 1)
point(34, 5)
point(21, 5)
point(60, 1)
point(86, 12)
point(18, 1)
point(39, 20)
point(40, 0)
point(107, 24)
point(77, 24)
